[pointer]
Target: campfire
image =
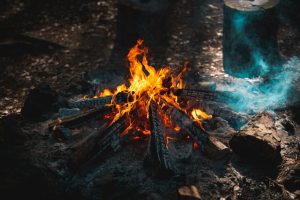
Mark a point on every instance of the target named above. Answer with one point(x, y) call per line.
point(145, 109)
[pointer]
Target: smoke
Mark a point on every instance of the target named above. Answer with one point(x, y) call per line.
point(256, 95)
point(254, 45)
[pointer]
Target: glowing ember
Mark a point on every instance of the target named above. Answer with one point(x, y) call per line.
point(147, 84)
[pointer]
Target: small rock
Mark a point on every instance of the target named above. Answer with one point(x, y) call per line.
point(38, 102)
point(188, 193)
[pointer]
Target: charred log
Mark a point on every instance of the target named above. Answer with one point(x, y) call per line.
point(199, 135)
point(157, 153)
point(203, 94)
point(89, 103)
point(121, 97)
point(108, 139)
point(236, 120)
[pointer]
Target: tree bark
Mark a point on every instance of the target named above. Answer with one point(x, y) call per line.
point(250, 46)
point(259, 140)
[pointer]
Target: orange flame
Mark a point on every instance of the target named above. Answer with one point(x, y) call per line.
point(147, 84)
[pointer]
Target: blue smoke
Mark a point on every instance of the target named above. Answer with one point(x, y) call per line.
point(257, 52)
point(256, 95)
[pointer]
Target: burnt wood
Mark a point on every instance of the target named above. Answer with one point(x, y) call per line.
point(83, 148)
point(157, 153)
point(203, 94)
point(121, 97)
point(93, 102)
point(235, 119)
point(212, 147)
point(109, 138)
point(189, 126)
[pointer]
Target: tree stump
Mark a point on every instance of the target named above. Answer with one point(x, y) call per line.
point(140, 19)
point(250, 46)
point(258, 140)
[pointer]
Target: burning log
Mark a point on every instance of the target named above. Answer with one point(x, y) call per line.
point(258, 140)
point(75, 120)
point(236, 120)
point(157, 154)
point(203, 94)
point(121, 97)
point(250, 37)
point(210, 146)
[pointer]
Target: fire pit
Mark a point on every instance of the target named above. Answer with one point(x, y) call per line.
point(147, 109)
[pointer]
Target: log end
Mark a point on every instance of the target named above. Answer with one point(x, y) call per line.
point(216, 150)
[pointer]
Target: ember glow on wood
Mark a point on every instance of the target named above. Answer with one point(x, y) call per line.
point(149, 91)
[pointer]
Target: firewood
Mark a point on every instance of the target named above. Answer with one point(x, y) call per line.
point(235, 119)
point(250, 37)
point(108, 139)
point(83, 148)
point(77, 119)
point(258, 140)
point(214, 147)
point(121, 97)
point(93, 102)
point(157, 153)
point(203, 94)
